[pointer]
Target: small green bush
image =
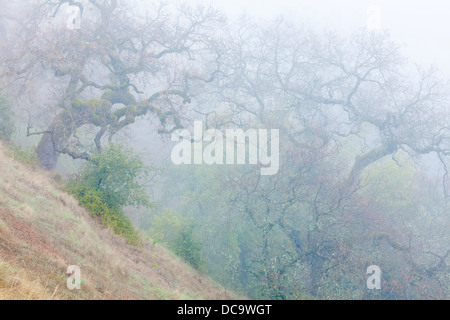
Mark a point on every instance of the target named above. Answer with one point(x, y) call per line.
point(6, 119)
point(109, 216)
point(108, 183)
point(117, 173)
point(188, 247)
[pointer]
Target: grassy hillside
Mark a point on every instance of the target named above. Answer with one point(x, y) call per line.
point(43, 230)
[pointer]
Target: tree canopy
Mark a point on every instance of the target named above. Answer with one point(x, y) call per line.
point(357, 122)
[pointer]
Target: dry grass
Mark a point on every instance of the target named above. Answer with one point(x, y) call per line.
point(43, 231)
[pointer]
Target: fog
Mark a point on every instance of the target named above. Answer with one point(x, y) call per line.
point(421, 27)
point(297, 149)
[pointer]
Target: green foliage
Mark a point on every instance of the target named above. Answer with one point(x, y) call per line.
point(188, 247)
point(109, 216)
point(197, 194)
point(91, 106)
point(178, 232)
point(26, 156)
point(119, 96)
point(390, 183)
point(108, 183)
point(166, 226)
point(117, 173)
point(6, 119)
point(96, 110)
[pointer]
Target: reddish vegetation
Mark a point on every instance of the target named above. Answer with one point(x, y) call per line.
point(43, 231)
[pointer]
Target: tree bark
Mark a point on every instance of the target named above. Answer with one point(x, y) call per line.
point(46, 152)
point(55, 139)
point(362, 162)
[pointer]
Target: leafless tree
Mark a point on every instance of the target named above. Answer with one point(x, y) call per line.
point(323, 91)
point(122, 63)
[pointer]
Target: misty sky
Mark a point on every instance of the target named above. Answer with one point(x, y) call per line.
point(422, 26)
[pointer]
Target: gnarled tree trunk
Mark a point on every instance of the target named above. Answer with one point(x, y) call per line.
point(56, 138)
point(46, 152)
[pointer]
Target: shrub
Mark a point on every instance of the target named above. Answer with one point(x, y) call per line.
point(178, 232)
point(188, 247)
point(166, 226)
point(109, 182)
point(117, 173)
point(26, 156)
point(109, 216)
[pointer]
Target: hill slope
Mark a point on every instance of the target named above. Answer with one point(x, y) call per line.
point(43, 230)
